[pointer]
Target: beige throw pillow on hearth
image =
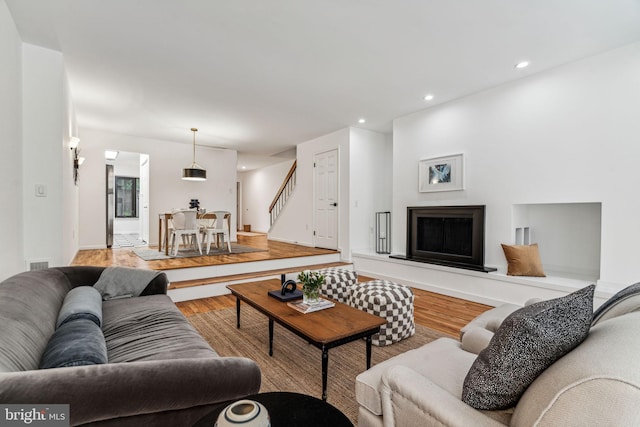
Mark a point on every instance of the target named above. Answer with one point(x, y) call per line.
point(523, 260)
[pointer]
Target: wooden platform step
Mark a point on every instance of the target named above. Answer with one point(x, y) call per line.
point(253, 275)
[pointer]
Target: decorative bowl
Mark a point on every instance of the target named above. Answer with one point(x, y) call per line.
point(247, 413)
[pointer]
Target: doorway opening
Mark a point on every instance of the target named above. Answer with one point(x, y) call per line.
point(127, 195)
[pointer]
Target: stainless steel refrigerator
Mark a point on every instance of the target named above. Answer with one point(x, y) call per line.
point(111, 203)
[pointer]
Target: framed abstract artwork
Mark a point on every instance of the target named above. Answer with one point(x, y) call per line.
point(445, 173)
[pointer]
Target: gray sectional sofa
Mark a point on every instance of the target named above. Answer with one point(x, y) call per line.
point(158, 370)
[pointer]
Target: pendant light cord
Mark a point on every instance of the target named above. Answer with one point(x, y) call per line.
point(194, 130)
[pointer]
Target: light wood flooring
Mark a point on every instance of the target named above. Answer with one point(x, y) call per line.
point(440, 312)
point(125, 257)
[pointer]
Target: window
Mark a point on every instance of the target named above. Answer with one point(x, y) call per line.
point(127, 190)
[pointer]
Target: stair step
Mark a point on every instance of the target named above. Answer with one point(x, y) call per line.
point(252, 275)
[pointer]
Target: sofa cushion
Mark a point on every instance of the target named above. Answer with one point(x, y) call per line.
point(149, 328)
point(523, 260)
point(528, 341)
point(83, 302)
point(75, 343)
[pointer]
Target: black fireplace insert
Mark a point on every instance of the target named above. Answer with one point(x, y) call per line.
point(447, 235)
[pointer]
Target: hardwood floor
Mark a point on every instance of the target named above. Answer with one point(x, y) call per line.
point(125, 257)
point(440, 312)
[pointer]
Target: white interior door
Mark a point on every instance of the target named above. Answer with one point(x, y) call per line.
point(326, 199)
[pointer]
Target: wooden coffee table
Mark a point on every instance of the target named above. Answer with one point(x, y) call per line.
point(324, 329)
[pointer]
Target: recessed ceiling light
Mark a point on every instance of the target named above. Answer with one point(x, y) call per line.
point(110, 154)
point(362, 121)
point(244, 167)
point(522, 64)
point(428, 97)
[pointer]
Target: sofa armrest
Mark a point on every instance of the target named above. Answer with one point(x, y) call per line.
point(113, 390)
point(157, 286)
point(476, 339)
point(409, 398)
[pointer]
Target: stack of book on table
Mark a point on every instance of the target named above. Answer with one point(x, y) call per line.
point(304, 307)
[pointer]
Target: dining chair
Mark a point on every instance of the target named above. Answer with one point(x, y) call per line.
point(220, 226)
point(185, 225)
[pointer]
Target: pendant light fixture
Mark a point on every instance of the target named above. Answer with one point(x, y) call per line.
point(194, 172)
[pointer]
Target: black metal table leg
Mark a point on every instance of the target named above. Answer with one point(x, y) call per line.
point(270, 337)
point(368, 341)
point(325, 368)
point(238, 313)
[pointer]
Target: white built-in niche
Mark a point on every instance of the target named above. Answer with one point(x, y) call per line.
point(568, 236)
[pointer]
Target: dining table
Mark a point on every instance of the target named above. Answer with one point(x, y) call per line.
point(163, 228)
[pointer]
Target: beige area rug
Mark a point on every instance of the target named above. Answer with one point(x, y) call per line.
point(296, 365)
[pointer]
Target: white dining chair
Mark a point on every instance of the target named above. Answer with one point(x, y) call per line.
point(220, 226)
point(185, 227)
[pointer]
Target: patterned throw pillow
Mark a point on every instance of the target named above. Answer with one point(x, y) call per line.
point(528, 342)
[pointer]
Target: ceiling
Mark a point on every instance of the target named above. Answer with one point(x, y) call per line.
point(260, 76)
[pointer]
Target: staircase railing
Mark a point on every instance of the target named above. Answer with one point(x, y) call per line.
point(283, 194)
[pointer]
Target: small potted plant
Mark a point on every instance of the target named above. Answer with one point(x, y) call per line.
point(312, 282)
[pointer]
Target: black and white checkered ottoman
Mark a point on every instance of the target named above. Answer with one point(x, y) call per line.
point(337, 283)
point(390, 301)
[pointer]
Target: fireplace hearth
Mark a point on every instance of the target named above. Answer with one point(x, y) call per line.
point(447, 235)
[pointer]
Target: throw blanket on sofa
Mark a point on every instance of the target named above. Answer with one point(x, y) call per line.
point(123, 282)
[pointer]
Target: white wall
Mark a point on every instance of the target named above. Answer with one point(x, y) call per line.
point(365, 182)
point(70, 193)
point(11, 250)
point(569, 135)
point(259, 187)
point(46, 125)
point(295, 223)
point(371, 178)
point(167, 189)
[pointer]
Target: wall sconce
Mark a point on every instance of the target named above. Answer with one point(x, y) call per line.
point(77, 161)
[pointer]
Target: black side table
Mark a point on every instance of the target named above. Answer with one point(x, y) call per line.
point(288, 409)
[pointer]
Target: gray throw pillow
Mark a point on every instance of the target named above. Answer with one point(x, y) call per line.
point(76, 343)
point(528, 342)
point(82, 302)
